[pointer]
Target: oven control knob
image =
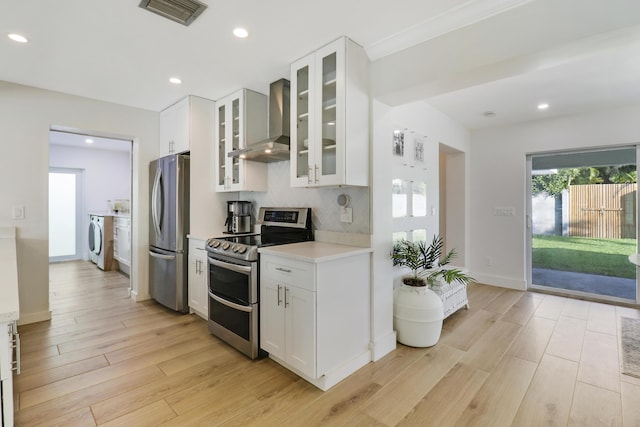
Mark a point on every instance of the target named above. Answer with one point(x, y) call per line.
point(215, 244)
point(241, 249)
point(226, 245)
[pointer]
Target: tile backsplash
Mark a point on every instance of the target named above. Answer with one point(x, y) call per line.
point(322, 201)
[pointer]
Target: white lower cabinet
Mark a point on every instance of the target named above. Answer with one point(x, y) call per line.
point(288, 320)
point(314, 315)
point(122, 242)
point(9, 341)
point(198, 285)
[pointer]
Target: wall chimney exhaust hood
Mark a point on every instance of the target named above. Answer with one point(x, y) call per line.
point(276, 147)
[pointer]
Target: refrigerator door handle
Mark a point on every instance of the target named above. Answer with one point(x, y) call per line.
point(155, 215)
point(157, 255)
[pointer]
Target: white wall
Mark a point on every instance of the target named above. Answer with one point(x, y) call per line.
point(438, 129)
point(26, 116)
point(107, 173)
point(498, 166)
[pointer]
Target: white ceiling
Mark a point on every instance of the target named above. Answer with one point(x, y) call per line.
point(464, 57)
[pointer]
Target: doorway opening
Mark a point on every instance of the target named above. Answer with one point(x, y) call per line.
point(452, 201)
point(93, 214)
point(582, 218)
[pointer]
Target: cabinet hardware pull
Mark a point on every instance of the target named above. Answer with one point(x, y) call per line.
point(315, 175)
point(279, 300)
point(15, 344)
point(286, 303)
point(309, 175)
point(283, 269)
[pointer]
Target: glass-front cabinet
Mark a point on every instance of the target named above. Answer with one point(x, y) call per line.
point(330, 108)
point(241, 119)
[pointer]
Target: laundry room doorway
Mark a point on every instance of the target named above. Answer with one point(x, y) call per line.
point(90, 200)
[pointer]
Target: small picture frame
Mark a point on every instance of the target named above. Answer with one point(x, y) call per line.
point(398, 143)
point(419, 151)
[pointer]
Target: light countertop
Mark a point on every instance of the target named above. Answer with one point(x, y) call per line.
point(315, 252)
point(9, 303)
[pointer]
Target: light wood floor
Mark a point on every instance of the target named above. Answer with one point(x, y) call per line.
point(514, 359)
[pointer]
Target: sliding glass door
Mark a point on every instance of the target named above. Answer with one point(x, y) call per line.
point(582, 223)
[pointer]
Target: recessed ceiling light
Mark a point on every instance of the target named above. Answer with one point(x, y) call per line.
point(89, 141)
point(543, 106)
point(18, 38)
point(175, 80)
point(241, 33)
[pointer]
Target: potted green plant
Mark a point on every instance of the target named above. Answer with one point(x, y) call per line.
point(426, 263)
point(418, 311)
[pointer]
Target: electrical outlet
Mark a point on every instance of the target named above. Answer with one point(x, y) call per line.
point(346, 215)
point(487, 261)
point(18, 212)
point(504, 211)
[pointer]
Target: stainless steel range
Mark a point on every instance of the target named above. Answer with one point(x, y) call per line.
point(233, 275)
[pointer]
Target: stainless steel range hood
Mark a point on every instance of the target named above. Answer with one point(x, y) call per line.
point(276, 147)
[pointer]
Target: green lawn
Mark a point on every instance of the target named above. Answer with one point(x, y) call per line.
point(585, 255)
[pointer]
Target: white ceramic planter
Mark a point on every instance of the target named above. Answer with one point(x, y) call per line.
point(417, 316)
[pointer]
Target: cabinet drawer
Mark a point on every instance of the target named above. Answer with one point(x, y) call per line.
point(294, 273)
point(122, 222)
point(195, 244)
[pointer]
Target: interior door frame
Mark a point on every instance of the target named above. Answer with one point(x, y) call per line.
point(528, 224)
point(80, 224)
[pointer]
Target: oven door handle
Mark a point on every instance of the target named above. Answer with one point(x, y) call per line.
point(246, 309)
point(232, 267)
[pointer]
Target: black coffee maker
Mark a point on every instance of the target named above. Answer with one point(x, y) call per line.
point(238, 217)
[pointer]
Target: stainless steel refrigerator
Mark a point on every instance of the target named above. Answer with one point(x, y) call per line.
point(168, 228)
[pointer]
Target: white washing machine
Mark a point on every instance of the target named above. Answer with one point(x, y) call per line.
point(100, 236)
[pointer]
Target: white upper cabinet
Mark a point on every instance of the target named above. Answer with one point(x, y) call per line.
point(174, 128)
point(330, 117)
point(241, 119)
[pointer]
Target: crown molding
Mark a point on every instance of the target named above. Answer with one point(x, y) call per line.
point(458, 17)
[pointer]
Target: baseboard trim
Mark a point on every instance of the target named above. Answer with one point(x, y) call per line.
point(382, 346)
point(501, 281)
point(139, 297)
point(27, 318)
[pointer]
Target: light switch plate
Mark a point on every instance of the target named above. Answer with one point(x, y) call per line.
point(18, 212)
point(346, 215)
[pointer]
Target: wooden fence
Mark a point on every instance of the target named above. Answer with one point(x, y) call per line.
point(606, 211)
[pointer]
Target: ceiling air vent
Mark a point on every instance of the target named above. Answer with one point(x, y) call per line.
point(182, 11)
